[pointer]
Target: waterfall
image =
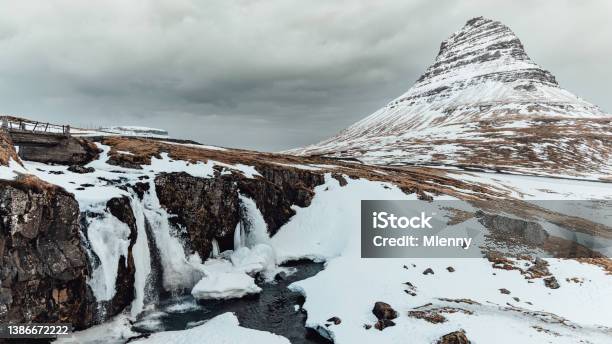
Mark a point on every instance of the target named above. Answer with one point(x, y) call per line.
point(142, 258)
point(239, 238)
point(179, 270)
point(108, 241)
point(252, 223)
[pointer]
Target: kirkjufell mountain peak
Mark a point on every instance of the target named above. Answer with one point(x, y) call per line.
point(482, 103)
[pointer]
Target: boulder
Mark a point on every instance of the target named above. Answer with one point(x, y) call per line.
point(80, 169)
point(383, 311)
point(551, 282)
point(383, 323)
point(428, 271)
point(457, 337)
point(335, 320)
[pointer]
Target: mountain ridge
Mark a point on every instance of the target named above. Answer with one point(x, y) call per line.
point(482, 89)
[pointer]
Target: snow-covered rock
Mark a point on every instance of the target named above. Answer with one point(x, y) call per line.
point(482, 102)
point(225, 285)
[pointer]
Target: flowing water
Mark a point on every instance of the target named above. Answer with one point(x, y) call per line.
point(276, 309)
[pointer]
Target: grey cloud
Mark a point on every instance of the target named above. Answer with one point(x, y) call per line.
point(263, 74)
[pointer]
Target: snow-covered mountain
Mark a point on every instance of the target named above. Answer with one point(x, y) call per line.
point(482, 102)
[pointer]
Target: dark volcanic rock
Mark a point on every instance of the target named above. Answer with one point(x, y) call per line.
point(140, 188)
point(551, 282)
point(209, 208)
point(80, 169)
point(120, 207)
point(278, 190)
point(428, 271)
point(335, 320)
point(457, 337)
point(383, 310)
point(504, 291)
point(383, 323)
point(341, 180)
point(43, 268)
point(59, 150)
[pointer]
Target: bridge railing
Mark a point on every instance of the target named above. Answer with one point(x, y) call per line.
point(21, 125)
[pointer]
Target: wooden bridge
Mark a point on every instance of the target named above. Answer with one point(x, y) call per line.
point(45, 142)
point(19, 127)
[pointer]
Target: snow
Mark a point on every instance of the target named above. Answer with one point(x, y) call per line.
point(258, 258)
point(125, 152)
point(321, 231)
point(136, 131)
point(194, 145)
point(114, 331)
point(182, 307)
point(225, 285)
point(300, 166)
point(230, 275)
point(349, 286)
point(198, 169)
point(222, 329)
point(539, 188)
point(12, 170)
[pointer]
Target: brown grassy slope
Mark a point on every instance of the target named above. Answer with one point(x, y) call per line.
point(410, 179)
point(423, 181)
point(7, 150)
point(554, 145)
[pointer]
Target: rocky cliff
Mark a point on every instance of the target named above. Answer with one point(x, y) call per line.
point(43, 267)
point(209, 208)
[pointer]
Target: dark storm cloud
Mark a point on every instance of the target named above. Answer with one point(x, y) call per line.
point(263, 74)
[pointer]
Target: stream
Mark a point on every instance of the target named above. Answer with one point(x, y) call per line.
point(275, 309)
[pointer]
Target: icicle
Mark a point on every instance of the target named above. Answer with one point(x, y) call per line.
point(238, 236)
point(215, 248)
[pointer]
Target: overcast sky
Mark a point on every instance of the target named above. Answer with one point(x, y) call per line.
point(266, 75)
